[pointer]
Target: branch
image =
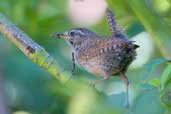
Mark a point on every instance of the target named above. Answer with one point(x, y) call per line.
point(32, 50)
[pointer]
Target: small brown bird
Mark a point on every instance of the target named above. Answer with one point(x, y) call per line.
point(102, 56)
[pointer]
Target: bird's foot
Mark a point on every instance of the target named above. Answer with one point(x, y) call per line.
point(127, 104)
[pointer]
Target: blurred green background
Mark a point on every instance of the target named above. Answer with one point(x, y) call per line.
point(31, 90)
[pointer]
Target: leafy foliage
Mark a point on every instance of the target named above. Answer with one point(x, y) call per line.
point(33, 90)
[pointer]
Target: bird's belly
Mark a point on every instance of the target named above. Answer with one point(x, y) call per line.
point(92, 67)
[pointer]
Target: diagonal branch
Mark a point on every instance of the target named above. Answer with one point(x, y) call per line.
point(32, 50)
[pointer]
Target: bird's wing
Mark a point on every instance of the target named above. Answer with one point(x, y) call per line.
point(97, 47)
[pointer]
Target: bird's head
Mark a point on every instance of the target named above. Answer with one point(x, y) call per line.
point(75, 35)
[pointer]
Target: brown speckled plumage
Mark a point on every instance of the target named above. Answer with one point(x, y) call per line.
point(105, 55)
point(102, 56)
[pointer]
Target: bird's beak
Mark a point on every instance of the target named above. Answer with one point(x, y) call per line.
point(64, 35)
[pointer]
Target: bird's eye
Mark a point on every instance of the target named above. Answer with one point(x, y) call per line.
point(72, 33)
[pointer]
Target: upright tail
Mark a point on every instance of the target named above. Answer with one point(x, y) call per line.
point(117, 32)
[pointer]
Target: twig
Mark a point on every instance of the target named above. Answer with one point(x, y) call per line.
point(32, 50)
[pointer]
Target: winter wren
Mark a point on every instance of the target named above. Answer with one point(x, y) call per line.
point(102, 56)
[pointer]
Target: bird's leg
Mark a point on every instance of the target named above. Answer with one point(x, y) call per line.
point(73, 63)
point(126, 82)
point(106, 76)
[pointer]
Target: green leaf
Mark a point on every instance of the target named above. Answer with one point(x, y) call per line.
point(155, 82)
point(151, 65)
point(165, 76)
point(165, 96)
